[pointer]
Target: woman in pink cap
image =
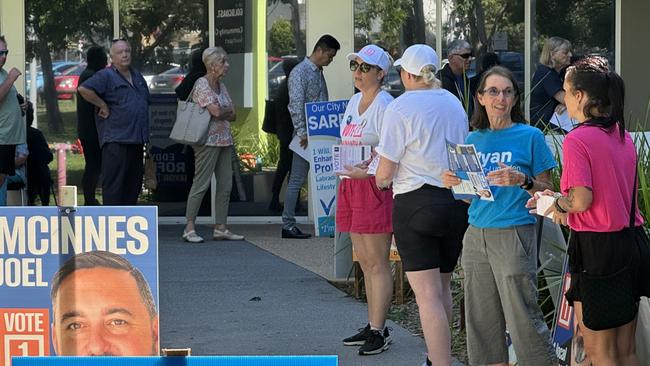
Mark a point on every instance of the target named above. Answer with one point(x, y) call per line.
point(362, 209)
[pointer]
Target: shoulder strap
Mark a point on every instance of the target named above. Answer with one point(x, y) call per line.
point(634, 193)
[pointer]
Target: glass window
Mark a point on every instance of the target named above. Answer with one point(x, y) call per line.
point(56, 46)
point(162, 39)
point(285, 21)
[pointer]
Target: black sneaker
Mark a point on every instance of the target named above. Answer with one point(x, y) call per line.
point(358, 339)
point(376, 343)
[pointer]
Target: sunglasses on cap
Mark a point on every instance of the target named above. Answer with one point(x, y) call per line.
point(4, 52)
point(363, 67)
point(464, 55)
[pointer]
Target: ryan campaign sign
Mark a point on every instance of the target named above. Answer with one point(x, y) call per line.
point(323, 121)
point(78, 283)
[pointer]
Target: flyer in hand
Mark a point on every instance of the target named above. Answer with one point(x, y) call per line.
point(464, 162)
point(343, 155)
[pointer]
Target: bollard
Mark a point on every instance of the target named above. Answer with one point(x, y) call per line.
point(61, 165)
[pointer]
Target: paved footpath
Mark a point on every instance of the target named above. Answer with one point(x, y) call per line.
point(234, 298)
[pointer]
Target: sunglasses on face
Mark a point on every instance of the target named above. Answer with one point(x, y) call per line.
point(118, 39)
point(4, 53)
point(464, 55)
point(363, 67)
point(494, 92)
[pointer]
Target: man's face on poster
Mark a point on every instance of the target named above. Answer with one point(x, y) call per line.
point(100, 312)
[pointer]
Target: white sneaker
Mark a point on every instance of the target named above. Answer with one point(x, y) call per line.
point(226, 235)
point(192, 237)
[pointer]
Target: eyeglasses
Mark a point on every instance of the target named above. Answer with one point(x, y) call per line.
point(118, 39)
point(363, 67)
point(4, 53)
point(494, 92)
point(464, 55)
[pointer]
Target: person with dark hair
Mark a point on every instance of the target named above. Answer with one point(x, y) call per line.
point(102, 306)
point(306, 84)
point(284, 132)
point(87, 130)
point(598, 201)
point(197, 70)
point(499, 257)
point(12, 128)
point(546, 94)
point(38, 172)
point(121, 96)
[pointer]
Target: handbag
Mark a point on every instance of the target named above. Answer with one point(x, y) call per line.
point(610, 301)
point(192, 122)
point(269, 125)
point(150, 179)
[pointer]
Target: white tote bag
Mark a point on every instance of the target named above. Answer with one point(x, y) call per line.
point(191, 126)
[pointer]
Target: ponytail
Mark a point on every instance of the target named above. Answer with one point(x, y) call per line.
point(616, 95)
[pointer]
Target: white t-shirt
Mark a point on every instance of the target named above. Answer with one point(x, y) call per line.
point(363, 129)
point(414, 132)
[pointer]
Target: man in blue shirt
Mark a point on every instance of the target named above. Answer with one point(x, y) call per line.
point(121, 95)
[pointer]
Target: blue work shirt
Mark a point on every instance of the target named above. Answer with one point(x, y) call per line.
point(128, 121)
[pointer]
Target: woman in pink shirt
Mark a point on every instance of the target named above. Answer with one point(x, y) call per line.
point(608, 250)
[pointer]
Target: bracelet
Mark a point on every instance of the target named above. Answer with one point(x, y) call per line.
point(559, 208)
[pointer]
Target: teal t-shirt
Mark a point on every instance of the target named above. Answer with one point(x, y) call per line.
point(522, 147)
point(12, 125)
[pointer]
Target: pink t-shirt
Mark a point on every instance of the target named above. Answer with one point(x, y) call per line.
point(599, 160)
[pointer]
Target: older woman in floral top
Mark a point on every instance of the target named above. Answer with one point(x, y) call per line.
point(215, 156)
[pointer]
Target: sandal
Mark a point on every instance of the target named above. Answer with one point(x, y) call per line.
point(192, 237)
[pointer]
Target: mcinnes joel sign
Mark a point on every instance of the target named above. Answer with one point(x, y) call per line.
point(78, 283)
point(233, 25)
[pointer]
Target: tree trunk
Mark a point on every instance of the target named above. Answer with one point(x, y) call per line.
point(301, 48)
point(419, 24)
point(54, 120)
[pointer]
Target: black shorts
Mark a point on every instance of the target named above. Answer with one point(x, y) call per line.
point(7, 159)
point(605, 254)
point(429, 225)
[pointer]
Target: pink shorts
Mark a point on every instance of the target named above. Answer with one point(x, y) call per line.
point(363, 208)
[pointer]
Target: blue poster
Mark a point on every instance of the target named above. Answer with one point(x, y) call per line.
point(568, 346)
point(323, 121)
point(77, 283)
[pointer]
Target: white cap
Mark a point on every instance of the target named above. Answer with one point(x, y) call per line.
point(416, 57)
point(372, 55)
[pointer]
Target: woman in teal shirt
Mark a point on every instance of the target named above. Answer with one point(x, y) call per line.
point(499, 257)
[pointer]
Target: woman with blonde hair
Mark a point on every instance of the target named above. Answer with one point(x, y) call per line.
point(214, 157)
point(547, 95)
point(428, 223)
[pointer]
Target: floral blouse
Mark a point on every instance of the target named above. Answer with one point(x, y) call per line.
point(218, 131)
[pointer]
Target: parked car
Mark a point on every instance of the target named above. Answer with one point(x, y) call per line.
point(58, 68)
point(276, 74)
point(66, 84)
point(167, 81)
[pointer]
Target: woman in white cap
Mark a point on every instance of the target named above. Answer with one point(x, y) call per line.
point(428, 223)
point(362, 209)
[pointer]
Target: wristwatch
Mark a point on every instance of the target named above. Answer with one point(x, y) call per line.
point(528, 182)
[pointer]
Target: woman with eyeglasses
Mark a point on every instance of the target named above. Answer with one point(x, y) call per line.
point(428, 223)
point(608, 247)
point(362, 209)
point(547, 95)
point(499, 258)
